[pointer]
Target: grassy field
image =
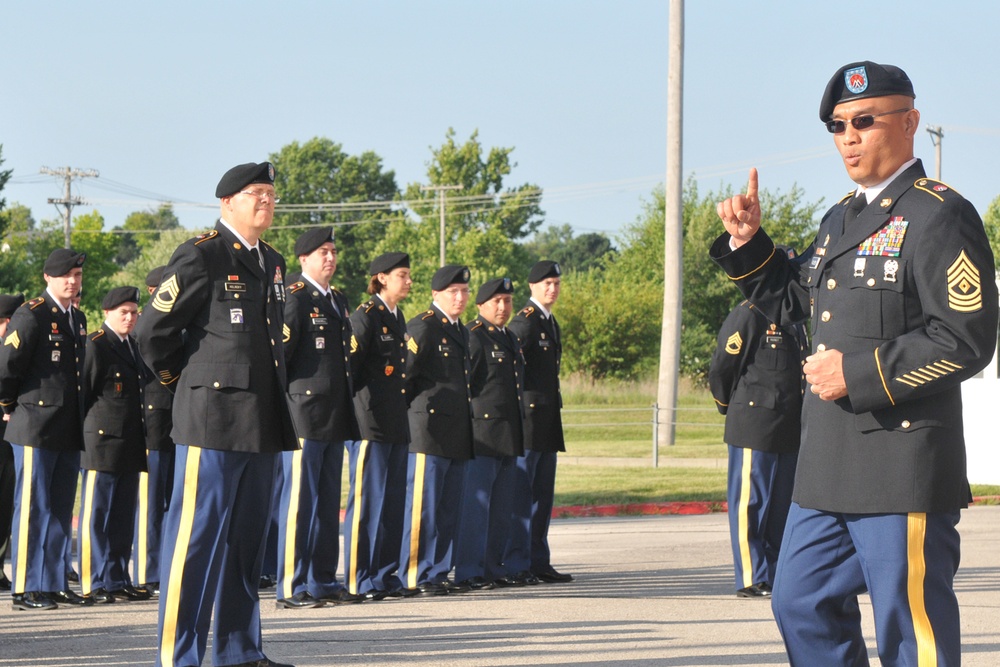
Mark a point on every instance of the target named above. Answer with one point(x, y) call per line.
point(613, 420)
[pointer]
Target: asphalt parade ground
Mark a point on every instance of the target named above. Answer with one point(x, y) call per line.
point(649, 591)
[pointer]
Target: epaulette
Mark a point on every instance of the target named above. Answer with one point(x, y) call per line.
point(527, 311)
point(295, 287)
point(97, 334)
point(476, 325)
point(429, 314)
point(933, 188)
point(847, 196)
point(334, 289)
point(206, 236)
point(36, 302)
point(746, 302)
point(266, 243)
point(368, 305)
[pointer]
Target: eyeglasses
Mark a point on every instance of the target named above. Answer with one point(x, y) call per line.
point(261, 196)
point(455, 291)
point(859, 122)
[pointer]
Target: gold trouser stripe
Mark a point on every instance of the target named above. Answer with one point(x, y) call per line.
point(418, 506)
point(171, 607)
point(86, 534)
point(27, 478)
point(743, 519)
point(143, 510)
point(291, 522)
point(916, 533)
point(359, 475)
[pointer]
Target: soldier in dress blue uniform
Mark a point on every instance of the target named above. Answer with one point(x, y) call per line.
point(156, 483)
point(541, 341)
point(900, 282)
point(8, 304)
point(317, 338)
point(373, 523)
point(498, 439)
point(756, 380)
point(114, 450)
point(40, 363)
point(213, 334)
point(437, 386)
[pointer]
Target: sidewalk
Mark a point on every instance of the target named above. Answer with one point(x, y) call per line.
point(649, 591)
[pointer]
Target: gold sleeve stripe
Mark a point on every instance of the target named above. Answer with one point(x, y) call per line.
point(949, 364)
point(725, 405)
point(773, 250)
point(907, 381)
point(878, 364)
point(924, 375)
point(932, 371)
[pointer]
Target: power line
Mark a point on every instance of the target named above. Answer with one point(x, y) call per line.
point(69, 174)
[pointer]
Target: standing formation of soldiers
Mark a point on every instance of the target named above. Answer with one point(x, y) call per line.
point(239, 386)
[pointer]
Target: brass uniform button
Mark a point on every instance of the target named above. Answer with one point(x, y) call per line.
point(831, 284)
point(871, 282)
point(821, 347)
point(906, 423)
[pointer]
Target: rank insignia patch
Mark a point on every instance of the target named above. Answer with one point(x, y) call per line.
point(286, 333)
point(411, 345)
point(886, 242)
point(354, 343)
point(965, 292)
point(166, 296)
point(13, 340)
point(734, 344)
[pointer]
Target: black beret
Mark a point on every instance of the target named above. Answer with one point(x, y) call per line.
point(8, 304)
point(243, 175)
point(154, 277)
point(492, 287)
point(389, 261)
point(448, 275)
point(62, 260)
point(544, 269)
point(313, 239)
point(858, 81)
point(116, 296)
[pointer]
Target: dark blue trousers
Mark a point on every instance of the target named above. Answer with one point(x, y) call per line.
point(433, 504)
point(309, 525)
point(484, 526)
point(534, 493)
point(213, 546)
point(907, 563)
point(759, 493)
point(106, 528)
point(155, 487)
point(44, 492)
point(373, 522)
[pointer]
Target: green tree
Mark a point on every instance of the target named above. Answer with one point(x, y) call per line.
point(991, 221)
point(5, 175)
point(88, 236)
point(580, 253)
point(141, 230)
point(23, 250)
point(483, 223)
point(320, 172)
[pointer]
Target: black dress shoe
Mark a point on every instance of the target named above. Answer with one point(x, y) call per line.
point(761, 590)
point(153, 587)
point(455, 587)
point(4, 582)
point(431, 588)
point(342, 596)
point(101, 596)
point(550, 576)
point(299, 601)
point(263, 663)
point(405, 592)
point(73, 577)
point(375, 596)
point(267, 581)
point(509, 581)
point(478, 584)
point(33, 601)
point(527, 578)
point(131, 593)
point(69, 597)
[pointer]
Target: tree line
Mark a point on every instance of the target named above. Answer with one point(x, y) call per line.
point(610, 309)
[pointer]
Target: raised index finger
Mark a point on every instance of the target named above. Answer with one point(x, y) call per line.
point(752, 184)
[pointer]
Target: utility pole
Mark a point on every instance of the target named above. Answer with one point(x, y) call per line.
point(937, 136)
point(670, 333)
point(68, 201)
point(440, 189)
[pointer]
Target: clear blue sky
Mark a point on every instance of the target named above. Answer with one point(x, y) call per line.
point(162, 98)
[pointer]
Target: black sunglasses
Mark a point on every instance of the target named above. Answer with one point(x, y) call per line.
point(858, 122)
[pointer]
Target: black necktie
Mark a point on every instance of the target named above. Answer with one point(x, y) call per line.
point(131, 352)
point(333, 303)
point(256, 255)
point(854, 207)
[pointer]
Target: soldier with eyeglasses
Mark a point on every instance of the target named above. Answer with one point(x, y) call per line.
point(899, 282)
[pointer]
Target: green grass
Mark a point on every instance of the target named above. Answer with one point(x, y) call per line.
point(611, 485)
